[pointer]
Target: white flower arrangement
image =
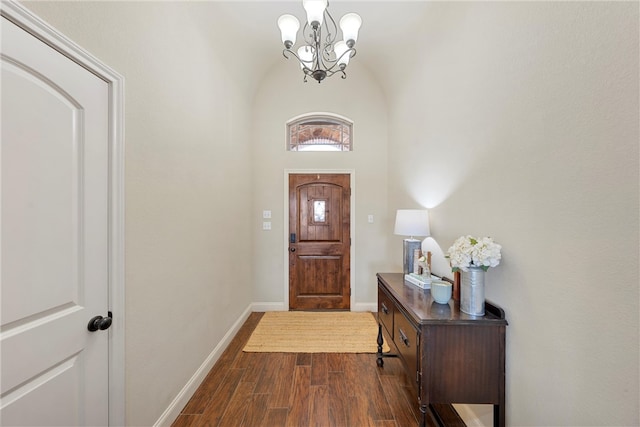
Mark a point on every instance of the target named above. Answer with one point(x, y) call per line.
point(467, 251)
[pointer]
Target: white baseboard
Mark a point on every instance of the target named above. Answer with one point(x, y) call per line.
point(365, 306)
point(268, 306)
point(172, 412)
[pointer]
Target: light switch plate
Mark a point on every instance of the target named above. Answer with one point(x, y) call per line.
point(266, 214)
point(370, 219)
point(266, 225)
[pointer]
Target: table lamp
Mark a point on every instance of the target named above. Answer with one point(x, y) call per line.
point(411, 222)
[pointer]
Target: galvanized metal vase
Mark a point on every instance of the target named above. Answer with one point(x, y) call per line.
point(472, 291)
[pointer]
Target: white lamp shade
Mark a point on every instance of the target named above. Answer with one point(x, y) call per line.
point(340, 48)
point(350, 25)
point(289, 26)
point(412, 222)
point(305, 53)
point(315, 10)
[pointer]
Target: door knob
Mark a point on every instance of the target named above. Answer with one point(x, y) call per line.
point(99, 323)
point(292, 249)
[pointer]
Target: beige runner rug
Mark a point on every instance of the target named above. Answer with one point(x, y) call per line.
point(315, 332)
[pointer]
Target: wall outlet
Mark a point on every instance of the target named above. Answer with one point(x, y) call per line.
point(266, 225)
point(266, 214)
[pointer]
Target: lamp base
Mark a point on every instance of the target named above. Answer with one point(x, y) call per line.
point(409, 246)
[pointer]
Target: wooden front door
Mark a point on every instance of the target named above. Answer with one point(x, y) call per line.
point(319, 241)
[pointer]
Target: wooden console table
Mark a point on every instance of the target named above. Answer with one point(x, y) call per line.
point(453, 357)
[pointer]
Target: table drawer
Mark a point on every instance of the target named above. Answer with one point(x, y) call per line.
point(407, 342)
point(385, 311)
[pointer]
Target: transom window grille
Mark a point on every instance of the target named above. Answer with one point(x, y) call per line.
point(319, 132)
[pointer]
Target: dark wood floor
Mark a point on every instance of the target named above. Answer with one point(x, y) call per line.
point(298, 389)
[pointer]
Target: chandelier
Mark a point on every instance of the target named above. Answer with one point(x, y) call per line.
point(321, 56)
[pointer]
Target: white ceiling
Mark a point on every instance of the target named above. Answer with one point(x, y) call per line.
point(387, 27)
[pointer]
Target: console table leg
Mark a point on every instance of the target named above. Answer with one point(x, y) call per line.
point(499, 416)
point(380, 341)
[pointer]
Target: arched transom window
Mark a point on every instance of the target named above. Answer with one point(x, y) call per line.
point(319, 132)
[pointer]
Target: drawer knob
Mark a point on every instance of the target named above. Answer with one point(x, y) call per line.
point(403, 337)
point(385, 310)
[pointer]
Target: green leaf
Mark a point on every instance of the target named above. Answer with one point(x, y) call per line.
point(455, 269)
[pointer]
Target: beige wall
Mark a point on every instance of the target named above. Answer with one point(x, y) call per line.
point(525, 118)
point(187, 202)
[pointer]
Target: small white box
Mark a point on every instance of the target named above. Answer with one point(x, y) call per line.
point(418, 280)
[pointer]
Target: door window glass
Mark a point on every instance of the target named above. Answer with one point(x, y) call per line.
point(319, 211)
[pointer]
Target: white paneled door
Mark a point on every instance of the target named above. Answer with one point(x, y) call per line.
point(55, 236)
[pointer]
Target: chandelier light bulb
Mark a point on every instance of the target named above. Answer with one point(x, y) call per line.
point(350, 25)
point(289, 26)
point(340, 48)
point(305, 53)
point(315, 11)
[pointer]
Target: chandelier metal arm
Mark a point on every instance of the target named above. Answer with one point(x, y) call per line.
point(348, 51)
point(332, 32)
point(286, 51)
point(321, 71)
point(318, 58)
point(334, 62)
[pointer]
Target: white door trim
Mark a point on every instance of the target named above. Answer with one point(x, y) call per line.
point(25, 19)
point(352, 231)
